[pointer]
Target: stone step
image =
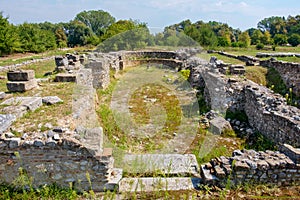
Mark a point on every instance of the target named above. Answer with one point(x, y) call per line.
point(161, 164)
point(151, 184)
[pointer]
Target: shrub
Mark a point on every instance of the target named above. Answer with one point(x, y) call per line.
point(260, 46)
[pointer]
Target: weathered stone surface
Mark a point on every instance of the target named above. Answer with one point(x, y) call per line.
point(21, 86)
point(30, 103)
point(6, 121)
point(50, 100)
point(24, 75)
point(65, 78)
point(169, 164)
point(158, 184)
point(219, 125)
point(2, 95)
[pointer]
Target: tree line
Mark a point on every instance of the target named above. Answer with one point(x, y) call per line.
point(98, 27)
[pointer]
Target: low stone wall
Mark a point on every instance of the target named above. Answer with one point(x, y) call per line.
point(289, 72)
point(63, 162)
point(19, 65)
point(282, 54)
point(270, 115)
point(249, 166)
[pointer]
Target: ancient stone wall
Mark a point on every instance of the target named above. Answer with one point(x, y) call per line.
point(63, 162)
point(249, 166)
point(289, 72)
point(271, 116)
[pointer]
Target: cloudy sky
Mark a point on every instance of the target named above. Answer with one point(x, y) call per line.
point(241, 14)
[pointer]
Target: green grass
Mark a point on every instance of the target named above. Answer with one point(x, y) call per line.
point(257, 74)
point(40, 68)
point(10, 59)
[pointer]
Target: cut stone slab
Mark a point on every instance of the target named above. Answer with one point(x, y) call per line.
point(50, 100)
point(218, 125)
point(158, 184)
point(65, 78)
point(2, 95)
point(24, 75)
point(21, 86)
point(6, 121)
point(31, 103)
point(167, 164)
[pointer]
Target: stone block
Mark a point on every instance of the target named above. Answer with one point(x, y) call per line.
point(219, 125)
point(50, 100)
point(6, 121)
point(24, 75)
point(21, 86)
point(31, 103)
point(65, 78)
point(61, 61)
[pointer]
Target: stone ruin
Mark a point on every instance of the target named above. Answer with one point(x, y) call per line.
point(67, 66)
point(80, 158)
point(21, 81)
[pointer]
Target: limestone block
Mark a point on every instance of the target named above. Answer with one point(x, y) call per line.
point(65, 78)
point(50, 100)
point(31, 103)
point(218, 125)
point(61, 61)
point(6, 121)
point(21, 86)
point(25, 75)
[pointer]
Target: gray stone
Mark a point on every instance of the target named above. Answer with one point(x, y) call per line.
point(50, 100)
point(168, 164)
point(2, 95)
point(158, 184)
point(24, 75)
point(38, 143)
point(65, 78)
point(6, 121)
point(31, 103)
point(14, 142)
point(56, 137)
point(21, 86)
point(218, 125)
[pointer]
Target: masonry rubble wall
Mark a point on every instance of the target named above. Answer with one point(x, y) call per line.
point(270, 115)
point(63, 162)
point(289, 72)
point(249, 166)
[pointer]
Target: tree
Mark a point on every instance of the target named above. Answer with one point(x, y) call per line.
point(61, 38)
point(294, 39)
point(280, 39)
point(256, 37)
point(9, 39)
point(78, 34)
point(97, 20)
point(244, 39)
point(266, 39)
point(34, 39)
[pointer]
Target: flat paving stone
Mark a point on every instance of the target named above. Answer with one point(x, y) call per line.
point(31, 103)
point(167, 164)
point(158, 184)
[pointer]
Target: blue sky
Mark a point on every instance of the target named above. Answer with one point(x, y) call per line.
point(157, 14)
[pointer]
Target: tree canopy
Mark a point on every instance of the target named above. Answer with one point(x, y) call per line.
point(97, 26)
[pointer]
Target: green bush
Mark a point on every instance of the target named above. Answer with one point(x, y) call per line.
point(260, 46)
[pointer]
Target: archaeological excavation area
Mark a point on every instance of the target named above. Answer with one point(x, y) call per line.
point(157, 110)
